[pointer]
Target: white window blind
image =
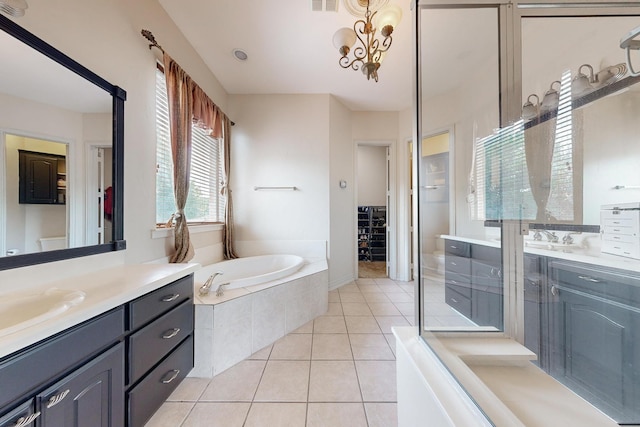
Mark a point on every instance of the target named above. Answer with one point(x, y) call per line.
point(204, 203)
point(502, 183)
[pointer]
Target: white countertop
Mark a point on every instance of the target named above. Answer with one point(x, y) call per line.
point(579, 255)
point(105, 289)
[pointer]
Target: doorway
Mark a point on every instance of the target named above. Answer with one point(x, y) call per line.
point(373, 200)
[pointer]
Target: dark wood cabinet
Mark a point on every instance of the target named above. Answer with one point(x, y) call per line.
point(42, 178)
point(114, 370)
point(594, 334)
point(473, 282)
point(89, 397)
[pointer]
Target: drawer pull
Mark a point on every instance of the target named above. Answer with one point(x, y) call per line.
point(589, 279)
point(453, 263)
point(453, 247)
point(454, 300)
point(170, 376)
point(170, 298)
point(25, 421)
point(54, 400)
point(453, 282)
point(171, 333)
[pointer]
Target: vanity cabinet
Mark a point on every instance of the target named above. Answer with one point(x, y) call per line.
point(114, 370)
point(82, 367)
point(473, 282)
point(594, 341)
point(160, 343)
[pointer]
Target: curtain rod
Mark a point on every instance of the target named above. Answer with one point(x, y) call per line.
point(153, 43)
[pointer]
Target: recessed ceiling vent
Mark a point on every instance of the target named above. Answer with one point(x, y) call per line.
point(324, 5)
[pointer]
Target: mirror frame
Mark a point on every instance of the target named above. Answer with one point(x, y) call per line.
point(118, 95)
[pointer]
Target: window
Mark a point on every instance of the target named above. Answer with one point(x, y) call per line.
point(511, 173)
point(205, 203)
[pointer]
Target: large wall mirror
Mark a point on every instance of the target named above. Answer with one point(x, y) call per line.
point(61, 155)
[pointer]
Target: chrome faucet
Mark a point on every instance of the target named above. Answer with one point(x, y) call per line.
point(551, 237)
point(220, 290)
point(567, 239)
point(206, 288)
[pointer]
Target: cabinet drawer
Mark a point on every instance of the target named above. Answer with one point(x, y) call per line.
point(146, 397)
point(149, 306)
point(459, 265)
point(22, 416)
point(455, 247)
point(458, 301)
point(152, 343)
point(619, 230)
point(26, 370)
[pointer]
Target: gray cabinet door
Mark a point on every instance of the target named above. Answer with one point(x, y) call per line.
point(594, 341)
point(91, 396)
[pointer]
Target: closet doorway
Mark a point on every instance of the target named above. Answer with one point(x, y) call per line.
point(373, 200)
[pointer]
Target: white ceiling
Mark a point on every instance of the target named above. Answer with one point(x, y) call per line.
point(291, 52)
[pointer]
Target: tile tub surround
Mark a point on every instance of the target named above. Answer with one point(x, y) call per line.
point(230, 328)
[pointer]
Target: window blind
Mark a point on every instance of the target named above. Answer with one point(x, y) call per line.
point(502, 185)
point(204, 203)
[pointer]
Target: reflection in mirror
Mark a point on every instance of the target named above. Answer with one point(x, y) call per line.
point(591, 150)
point(47, 98)
point(46, 108)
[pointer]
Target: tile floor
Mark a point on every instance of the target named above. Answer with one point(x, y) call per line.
point(336, 371)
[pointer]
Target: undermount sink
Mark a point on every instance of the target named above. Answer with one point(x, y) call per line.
point(22, 310)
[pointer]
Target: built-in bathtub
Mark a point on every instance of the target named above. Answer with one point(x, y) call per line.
point(266, 298)
point(249, 271)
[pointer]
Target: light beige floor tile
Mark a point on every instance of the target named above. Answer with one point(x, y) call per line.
point(329, 325)
point(370, 347)
point(352, 297)
point(170, 414)
point(382, 414)
point(365, 281)
point(331, 347)
point(236, 384)
point(292, 347)
point(334, 296)
point(352, 287)
point(387, 322)
point(335, 308)
point(189, 390)
point(391, 340)
point(336, 415)
point(307, 328)
point(369, 288)
point(406, 308)
point(284, 381)
point(213, 414)
point(355, 309)
point(384, 309)
point(375, 297)
point(277, 415)
point(400, 297)
point(262, 354)
point(333, 381)
point(362, 325)
point(377, 380)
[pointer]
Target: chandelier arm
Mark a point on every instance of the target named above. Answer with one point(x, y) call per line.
point(360, 52)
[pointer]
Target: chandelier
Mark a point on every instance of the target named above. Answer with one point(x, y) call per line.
point(370, 50)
